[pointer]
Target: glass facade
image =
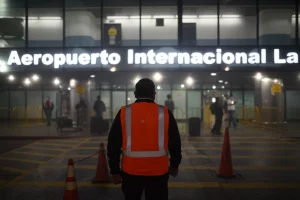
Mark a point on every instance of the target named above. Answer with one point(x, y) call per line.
point(82, 23)
point(203, 17)
point(13, 23)
point(89, 26)
point(45, 24)
point(91, 23)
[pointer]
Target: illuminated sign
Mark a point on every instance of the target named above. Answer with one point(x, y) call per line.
point(153, 58)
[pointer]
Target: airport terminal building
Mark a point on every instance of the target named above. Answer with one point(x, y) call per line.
point(194, 50)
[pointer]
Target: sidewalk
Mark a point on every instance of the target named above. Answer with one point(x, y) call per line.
point(42, 131)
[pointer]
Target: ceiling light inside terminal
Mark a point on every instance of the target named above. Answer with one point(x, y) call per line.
point(56, 81)
point(258, 76)
point(27, 81)
point(120, 17)
point(11, 78)
point(72, 83)
point(35, 77)
point(3, 67)
point(189, 81)
point(157, 76)
point(265, 79)
point(136, 80)
point(113, 69)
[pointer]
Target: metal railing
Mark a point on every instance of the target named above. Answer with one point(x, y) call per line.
point(261, 117)
point(25, 116)
point(180, 117)
point(4, 116)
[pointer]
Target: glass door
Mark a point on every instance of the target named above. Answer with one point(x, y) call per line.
point(130, 97)
point(118, 100)
point(194, 104)
point(105, 97)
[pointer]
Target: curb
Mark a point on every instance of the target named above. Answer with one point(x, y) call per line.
point(39, 137)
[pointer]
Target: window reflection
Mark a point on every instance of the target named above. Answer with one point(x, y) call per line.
point(200, 23)
point(45, 24)
point(121, 23)
point(276, 26)
point(12, 25)
point(83, 23)
point(238, 23)
point(159, 23)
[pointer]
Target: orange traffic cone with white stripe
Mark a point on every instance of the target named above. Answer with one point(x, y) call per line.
point(71, 192)
point(102, 175)
point(226, 169)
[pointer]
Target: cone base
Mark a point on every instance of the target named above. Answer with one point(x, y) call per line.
point(231, 175)
point(71, 195)
point(94, 181)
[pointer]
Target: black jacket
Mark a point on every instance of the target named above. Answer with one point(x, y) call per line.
point(114, 143)
point(48, 106)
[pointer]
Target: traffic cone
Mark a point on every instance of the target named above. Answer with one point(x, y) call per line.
point(71, 192)
point(102, 175)
point(226, 169)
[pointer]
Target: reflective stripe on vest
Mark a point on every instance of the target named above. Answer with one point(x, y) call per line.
point(161, 136)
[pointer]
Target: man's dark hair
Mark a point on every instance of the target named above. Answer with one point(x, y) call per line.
point(169, 96)
point(144, 88)
point(98, 97)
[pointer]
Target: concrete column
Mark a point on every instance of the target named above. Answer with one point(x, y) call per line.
point(81, 29)
point(269, 106)
point(90, 102)
point(275, 26)
point(73, 100)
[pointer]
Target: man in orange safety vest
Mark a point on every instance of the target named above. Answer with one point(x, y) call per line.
point(146, 134)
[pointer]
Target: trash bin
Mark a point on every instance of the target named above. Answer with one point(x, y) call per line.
point(194, 126)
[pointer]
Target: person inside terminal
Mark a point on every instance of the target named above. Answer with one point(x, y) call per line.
point(197, 53)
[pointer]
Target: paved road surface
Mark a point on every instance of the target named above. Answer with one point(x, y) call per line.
point(268, 167)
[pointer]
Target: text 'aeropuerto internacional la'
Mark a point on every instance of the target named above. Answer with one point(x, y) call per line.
point(151, 57)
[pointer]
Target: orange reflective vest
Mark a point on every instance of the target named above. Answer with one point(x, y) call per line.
point(145, 139)
point(50, 103)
